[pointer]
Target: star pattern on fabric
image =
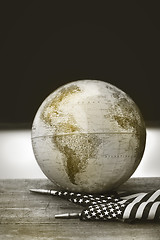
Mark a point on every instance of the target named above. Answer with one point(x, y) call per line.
point(103, 211)
point(89, 199)
point(113, 206)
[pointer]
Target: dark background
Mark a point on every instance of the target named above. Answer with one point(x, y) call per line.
point(45, 44)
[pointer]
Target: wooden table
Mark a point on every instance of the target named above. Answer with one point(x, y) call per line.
point(25, 215)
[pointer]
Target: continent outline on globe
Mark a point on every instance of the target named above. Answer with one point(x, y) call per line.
point(88, 136)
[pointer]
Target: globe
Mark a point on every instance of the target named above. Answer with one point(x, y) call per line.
point(88, 136)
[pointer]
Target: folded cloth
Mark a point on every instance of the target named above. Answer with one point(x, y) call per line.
point(112, 205)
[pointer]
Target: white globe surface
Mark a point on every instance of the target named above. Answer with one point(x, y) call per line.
point(88, 136)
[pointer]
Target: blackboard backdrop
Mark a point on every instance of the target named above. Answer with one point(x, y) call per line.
point(45, 44)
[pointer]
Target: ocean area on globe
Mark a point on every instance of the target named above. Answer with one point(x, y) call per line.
point(88, 136)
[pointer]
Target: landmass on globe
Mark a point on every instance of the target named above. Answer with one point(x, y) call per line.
point(88, 136)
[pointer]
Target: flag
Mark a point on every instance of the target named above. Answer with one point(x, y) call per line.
point(112, 206)
point(144, 206)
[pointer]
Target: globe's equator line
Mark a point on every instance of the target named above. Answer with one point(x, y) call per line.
point(83, 133)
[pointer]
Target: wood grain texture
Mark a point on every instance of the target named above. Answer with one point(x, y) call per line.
point(25, 215)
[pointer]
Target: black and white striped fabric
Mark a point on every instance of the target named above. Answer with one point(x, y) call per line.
point(113, 206)
point(143, 206)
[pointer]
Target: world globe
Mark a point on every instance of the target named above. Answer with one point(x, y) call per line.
point(88, 136)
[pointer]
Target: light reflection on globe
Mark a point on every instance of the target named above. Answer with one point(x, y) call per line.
point(88, 136)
